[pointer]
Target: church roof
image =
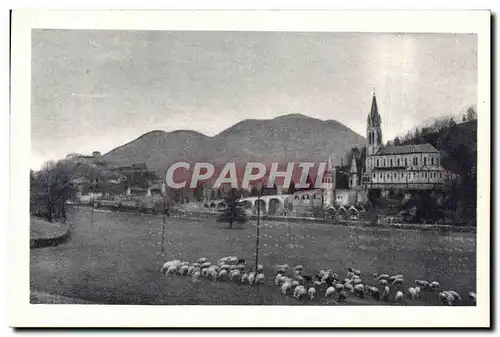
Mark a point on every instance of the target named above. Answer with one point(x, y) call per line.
point(404, 149)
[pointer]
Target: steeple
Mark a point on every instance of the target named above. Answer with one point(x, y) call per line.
point(374, 117)
point(354, 168)
point(373, 133)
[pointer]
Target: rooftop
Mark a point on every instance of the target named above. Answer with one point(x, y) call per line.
point(419, 148)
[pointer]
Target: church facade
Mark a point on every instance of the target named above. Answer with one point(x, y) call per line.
point(408, 167)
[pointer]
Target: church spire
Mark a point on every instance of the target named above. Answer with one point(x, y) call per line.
point(374, 115)
point(354, 168)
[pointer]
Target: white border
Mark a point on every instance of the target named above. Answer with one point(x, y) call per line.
point(23, 314)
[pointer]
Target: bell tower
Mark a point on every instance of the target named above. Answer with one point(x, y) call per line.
point(373, 133)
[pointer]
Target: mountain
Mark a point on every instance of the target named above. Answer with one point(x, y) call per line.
point(287, 138)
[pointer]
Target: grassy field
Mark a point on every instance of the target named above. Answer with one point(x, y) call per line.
point(117, 260)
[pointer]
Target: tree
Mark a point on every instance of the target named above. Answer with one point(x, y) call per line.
point(234, 211)
point(471, 114)
point(291, 189)
point(52, 185)
point(397, 141)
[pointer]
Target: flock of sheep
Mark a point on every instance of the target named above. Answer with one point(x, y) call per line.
point(297, 283)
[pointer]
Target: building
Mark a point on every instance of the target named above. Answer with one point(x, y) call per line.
point(409, 167)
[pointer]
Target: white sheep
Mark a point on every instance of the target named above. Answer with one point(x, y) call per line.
point(472, 296)
point(191, 270)
point(446, 297)
point(259, 279)
point(224, 266)
point(196, 275)
point(212, 274)
point(375, 275)
point(168, 264)
point(434, 285)
point(356, 272)
point(297, 272)
point(295, 283)
point(386, 293)
point(171, 270)
point(260, 268)
point(318, 283)
point(240, 267)
point(383, 276)
point(302, 292)
point(339, 287)
point(202, 260)
point(235, 274)
point(455, 295)
point(251, 278)
point(299, 279)
point(399, 296)
point(277, 279)
point(285, 287)
point(349, 287)
point(412, 293)
point(373, 291)
point(204, 272)
point(329, 292)
point(205, 264)
point(422, 283)
point(183, 270)
point(359, 290)
point(297, 290)
point(196, 264)
point(222, 274)
point(233, 259)
point(383, 282)
point(311, 293)
point(398, 281)
point(244, 278)
point(298, 267)
point(418, 292)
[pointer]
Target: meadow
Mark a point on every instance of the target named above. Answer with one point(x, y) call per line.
point(116, 259)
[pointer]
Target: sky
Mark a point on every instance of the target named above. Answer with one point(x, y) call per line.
point(96, 90)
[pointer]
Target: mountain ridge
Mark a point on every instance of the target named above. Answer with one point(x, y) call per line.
point(290, 137)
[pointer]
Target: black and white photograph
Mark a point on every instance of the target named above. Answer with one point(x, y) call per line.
point(333, 169)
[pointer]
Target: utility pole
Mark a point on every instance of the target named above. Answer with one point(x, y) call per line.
point(94, 185)
point(165, 213)
point(258, 230)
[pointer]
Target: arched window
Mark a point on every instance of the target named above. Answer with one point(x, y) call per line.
point(425, 161)
point(378, 163)
point(432, 160)
point(406, 161)
point(391, 163)
point(385, 162)
point(381, 176)
point(394, 174)
point(425, 174)
point(374, 176)
point(437, 161)
point(398, 162)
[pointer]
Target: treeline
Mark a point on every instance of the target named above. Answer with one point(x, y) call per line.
point(457, 143)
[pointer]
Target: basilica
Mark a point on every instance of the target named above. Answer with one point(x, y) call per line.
point(408, 167)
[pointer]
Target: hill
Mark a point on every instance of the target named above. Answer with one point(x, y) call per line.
point(287, 138)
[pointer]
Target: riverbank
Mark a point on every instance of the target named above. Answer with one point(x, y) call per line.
point(45, 234)
point(201, 215)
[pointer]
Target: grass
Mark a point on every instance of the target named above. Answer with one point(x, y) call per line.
point(117, 260)
point(40, 228)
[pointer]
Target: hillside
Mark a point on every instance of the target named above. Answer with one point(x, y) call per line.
point(283, 139)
